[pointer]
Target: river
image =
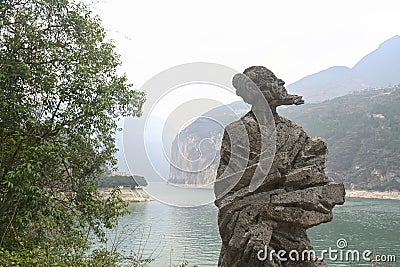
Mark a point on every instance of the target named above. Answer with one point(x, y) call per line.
point(170, 234)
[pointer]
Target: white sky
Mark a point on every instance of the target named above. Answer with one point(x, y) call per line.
point(292, 38)
point(176, 97)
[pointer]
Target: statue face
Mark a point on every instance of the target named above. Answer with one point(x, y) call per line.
point(276, 89)
point(270, 90)
point(258, 84)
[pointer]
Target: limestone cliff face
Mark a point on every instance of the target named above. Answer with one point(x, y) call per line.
point(195, 151)
point(294, 195)
point(205, 157)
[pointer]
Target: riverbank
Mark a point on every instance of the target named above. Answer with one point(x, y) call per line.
point(395, 195)
point(195, 186)
point(129, 195)
point(138, 195)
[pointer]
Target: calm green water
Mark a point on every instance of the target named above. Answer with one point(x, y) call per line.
point(170, 234)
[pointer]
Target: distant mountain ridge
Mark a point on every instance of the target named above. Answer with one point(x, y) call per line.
point(362, 131)
point(380, 68)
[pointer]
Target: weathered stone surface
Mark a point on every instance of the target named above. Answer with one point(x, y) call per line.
point(294, 196)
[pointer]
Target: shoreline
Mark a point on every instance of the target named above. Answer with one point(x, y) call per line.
point(138, 195)
point(128, 195)
point(392, 195)
point(192, 186)
point(350, 193)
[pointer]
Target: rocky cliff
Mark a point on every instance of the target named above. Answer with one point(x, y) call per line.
point(294, 193)
point(195, 151)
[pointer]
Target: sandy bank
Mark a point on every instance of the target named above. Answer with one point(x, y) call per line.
point(135, 195)
point(373, 194)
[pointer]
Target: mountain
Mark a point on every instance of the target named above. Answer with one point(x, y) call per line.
point(356, 110)
point(380, 68)
point(362, 131)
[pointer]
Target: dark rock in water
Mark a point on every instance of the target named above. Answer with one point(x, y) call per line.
point(294, 194)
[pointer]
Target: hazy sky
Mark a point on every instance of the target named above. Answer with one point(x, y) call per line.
point(292, 38)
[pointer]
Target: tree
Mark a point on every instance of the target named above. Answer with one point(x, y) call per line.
point(61, 94)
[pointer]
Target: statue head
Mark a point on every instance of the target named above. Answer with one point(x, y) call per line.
point(257, 82)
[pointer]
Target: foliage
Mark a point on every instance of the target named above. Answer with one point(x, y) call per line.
point(185, 263)
point(99, 257)
point(116, 180)
point(61, 94)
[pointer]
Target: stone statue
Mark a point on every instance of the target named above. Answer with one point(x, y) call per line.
point(294, 193)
